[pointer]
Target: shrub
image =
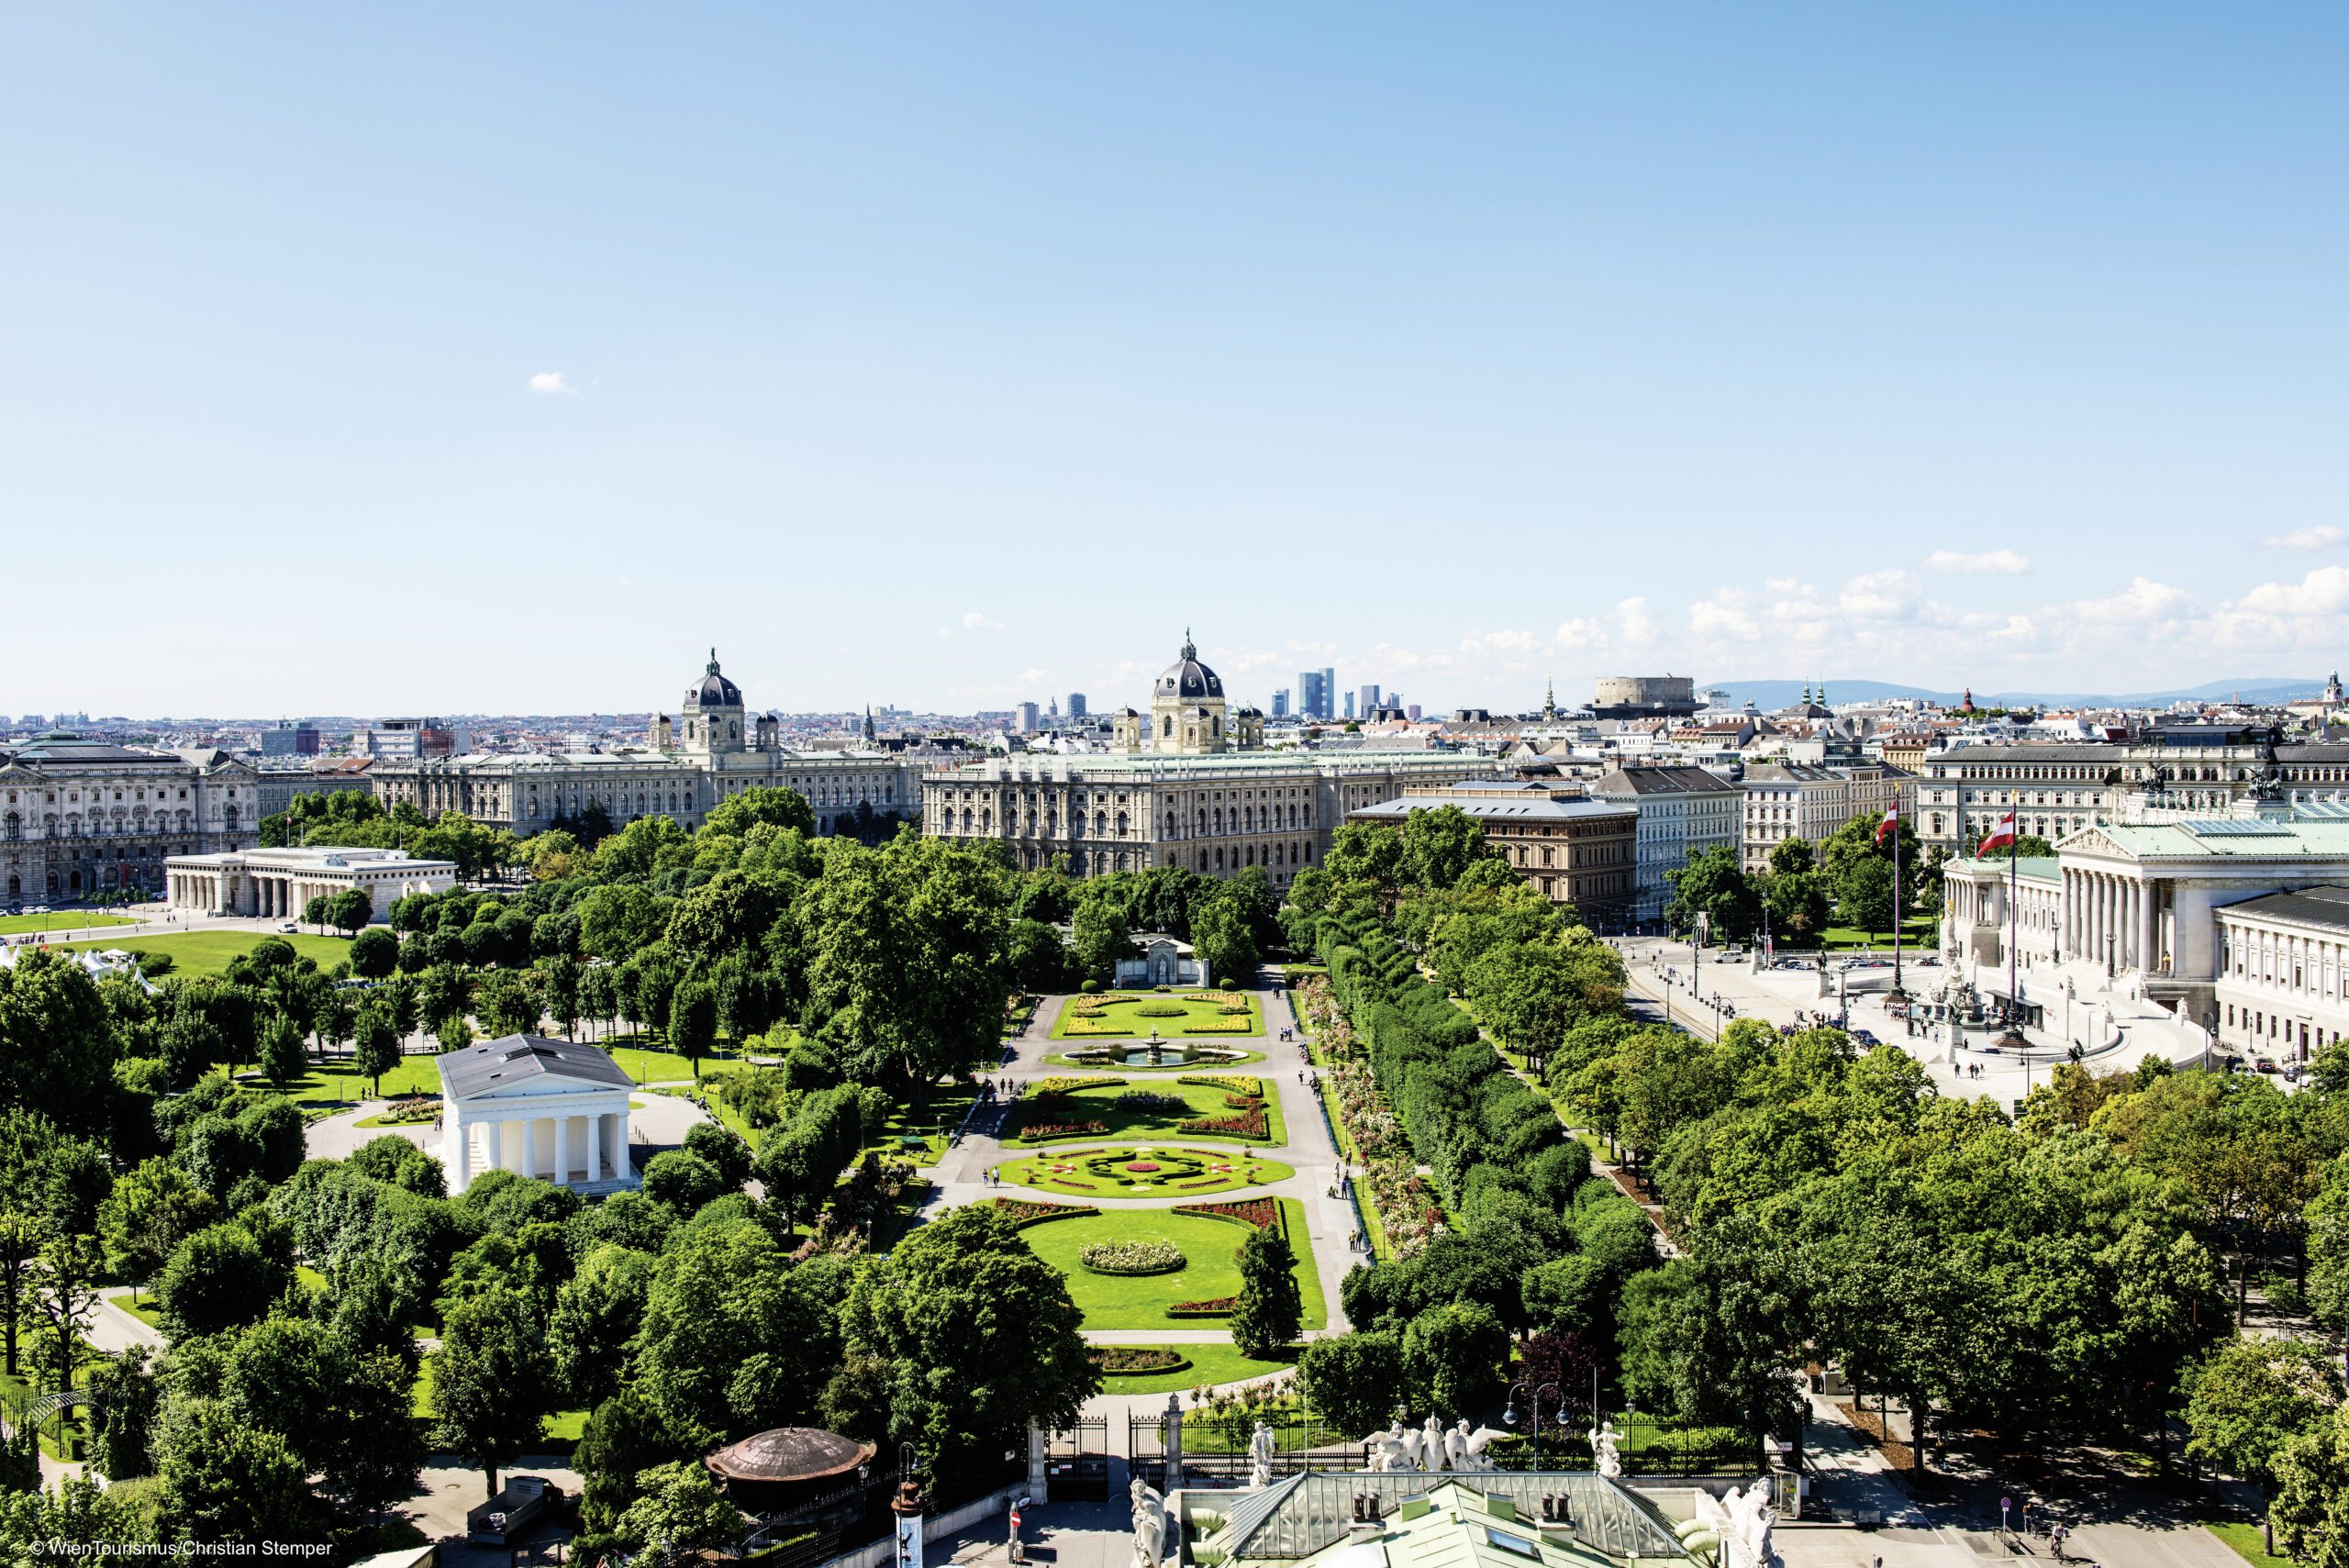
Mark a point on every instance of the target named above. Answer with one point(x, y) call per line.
point(1131, 1258)
point(1136, 1361)
point(1246, 1124)
point(1090, 986)
point(1220, 1307)
point(1160, 1011)
point(1025, 1212)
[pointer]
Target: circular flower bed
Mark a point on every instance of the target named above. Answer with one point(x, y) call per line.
point(1131, 1258)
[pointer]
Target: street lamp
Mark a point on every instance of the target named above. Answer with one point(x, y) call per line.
point(1509, 1415)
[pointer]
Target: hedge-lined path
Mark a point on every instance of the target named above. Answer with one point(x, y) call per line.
point(959, 1177)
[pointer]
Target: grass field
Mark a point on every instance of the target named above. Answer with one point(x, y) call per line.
point(1113, 1302)
point(209, 952)
point(1039, 1172)
point(1123, 1020)
point(1916, 931)
point(2245, 1539)
point(1209, 1364)
point(1098, 1104)
point(71, 920)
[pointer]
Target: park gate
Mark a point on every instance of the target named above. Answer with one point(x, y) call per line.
point(1076, 1461)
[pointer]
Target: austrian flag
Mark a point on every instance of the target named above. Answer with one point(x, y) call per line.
point(1889, 826)
point(2000, 836)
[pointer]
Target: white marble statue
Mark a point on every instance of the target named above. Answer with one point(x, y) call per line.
point(1396, 1448)
point(1751, 1520)
point(1602, 1447)
point(1465, 1450)
point(1149, 1524)
point(1431, 1444)
point(1260, 1456)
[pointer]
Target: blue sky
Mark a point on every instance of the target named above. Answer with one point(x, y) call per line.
point(951, 355)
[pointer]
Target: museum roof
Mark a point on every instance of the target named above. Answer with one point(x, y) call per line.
point(1484, 1520)
point(517, 1058)
point(1188, 678)
point(64, 746)
point(2324, 907)
point(1497, 809)
point(715, 690)
point(1141, 767)
point(1660, 781)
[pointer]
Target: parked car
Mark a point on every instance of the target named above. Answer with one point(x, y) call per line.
point(1862, 1036)
point(288, 928)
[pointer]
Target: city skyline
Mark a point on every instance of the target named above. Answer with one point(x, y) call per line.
point(967, 359)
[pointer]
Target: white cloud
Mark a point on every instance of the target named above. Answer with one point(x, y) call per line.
point(2144, 603)
point(2322, 538)
point(552, 380)
point(1880, 595)
point(2004, 563)
point(1631, 616)
point(973, 621)
point(2323, 592)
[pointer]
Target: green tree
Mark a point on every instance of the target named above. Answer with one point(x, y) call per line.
point(1353, 1380)
point(734, 1340)
point(1865, 899)
point(1098, 939)
point(226, 1481)
point(125, 1398)
point(217, 1279)
point(1453, 1356)
point(692, 1021)
point(1270, 1309)
point(283, 1060)
point(1713, 883)
point(1225, 942)
point(562, 973)
point(2249, 1399)
point(2309, 1516)
point(491, 1380)
point(679, 1515)
point(762, 804)
point(981, 1337)
point(152, 1208)
point(350, 910)
point(375, 1049)
point(597, 1313)
point(374, 953)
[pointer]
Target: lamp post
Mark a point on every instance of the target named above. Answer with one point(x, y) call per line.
point(1509, 1415)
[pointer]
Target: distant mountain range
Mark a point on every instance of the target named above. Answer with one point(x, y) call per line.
point(1768, 694)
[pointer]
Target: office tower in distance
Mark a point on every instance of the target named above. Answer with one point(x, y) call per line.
point(1076, 704)
point(1280, 703)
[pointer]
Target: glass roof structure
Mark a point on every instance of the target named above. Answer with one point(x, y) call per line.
point(1450, 1520)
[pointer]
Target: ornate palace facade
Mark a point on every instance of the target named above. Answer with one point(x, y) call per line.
point(80, 816)
point(711, 749)
point(1188, 786)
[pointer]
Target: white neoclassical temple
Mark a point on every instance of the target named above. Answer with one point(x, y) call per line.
point(550, 1108)
point(279, 884)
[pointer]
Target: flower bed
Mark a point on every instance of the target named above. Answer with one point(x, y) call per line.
point(1256, 1213)
point(1136, 1361)
point(1061, 1083)
point(1160, 1011)
point(1240, 1027)
point(1087, 1026)
point(1151, 1100)
point(1133, 1258)
point(1247, 1124)
point(1230, 1082)
point(1221, 1306)
point(1064, 1128)
point(1026, 1212)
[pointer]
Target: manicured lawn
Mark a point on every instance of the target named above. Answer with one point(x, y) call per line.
point(1916, 932)
point(937, 1122)
point(2245, 1539)
point(1238, 1061)
point(144, 1308)
point(1098, 1104)
point(71, 920)
point(1209, 1364)
point(210, 952)
point(1122, 1017)
point(338, 1083)
point(1074, 1172)
point(392, 1122)
point(1211, 1271)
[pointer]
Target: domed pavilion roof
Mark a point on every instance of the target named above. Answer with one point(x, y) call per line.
point(1187, 679)
point(790, 1453)
point(715, 690)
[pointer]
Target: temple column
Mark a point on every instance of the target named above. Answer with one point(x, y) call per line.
point(562, 1150)
point(594, 1148)
point(461, 1140)
point(496, 1132)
